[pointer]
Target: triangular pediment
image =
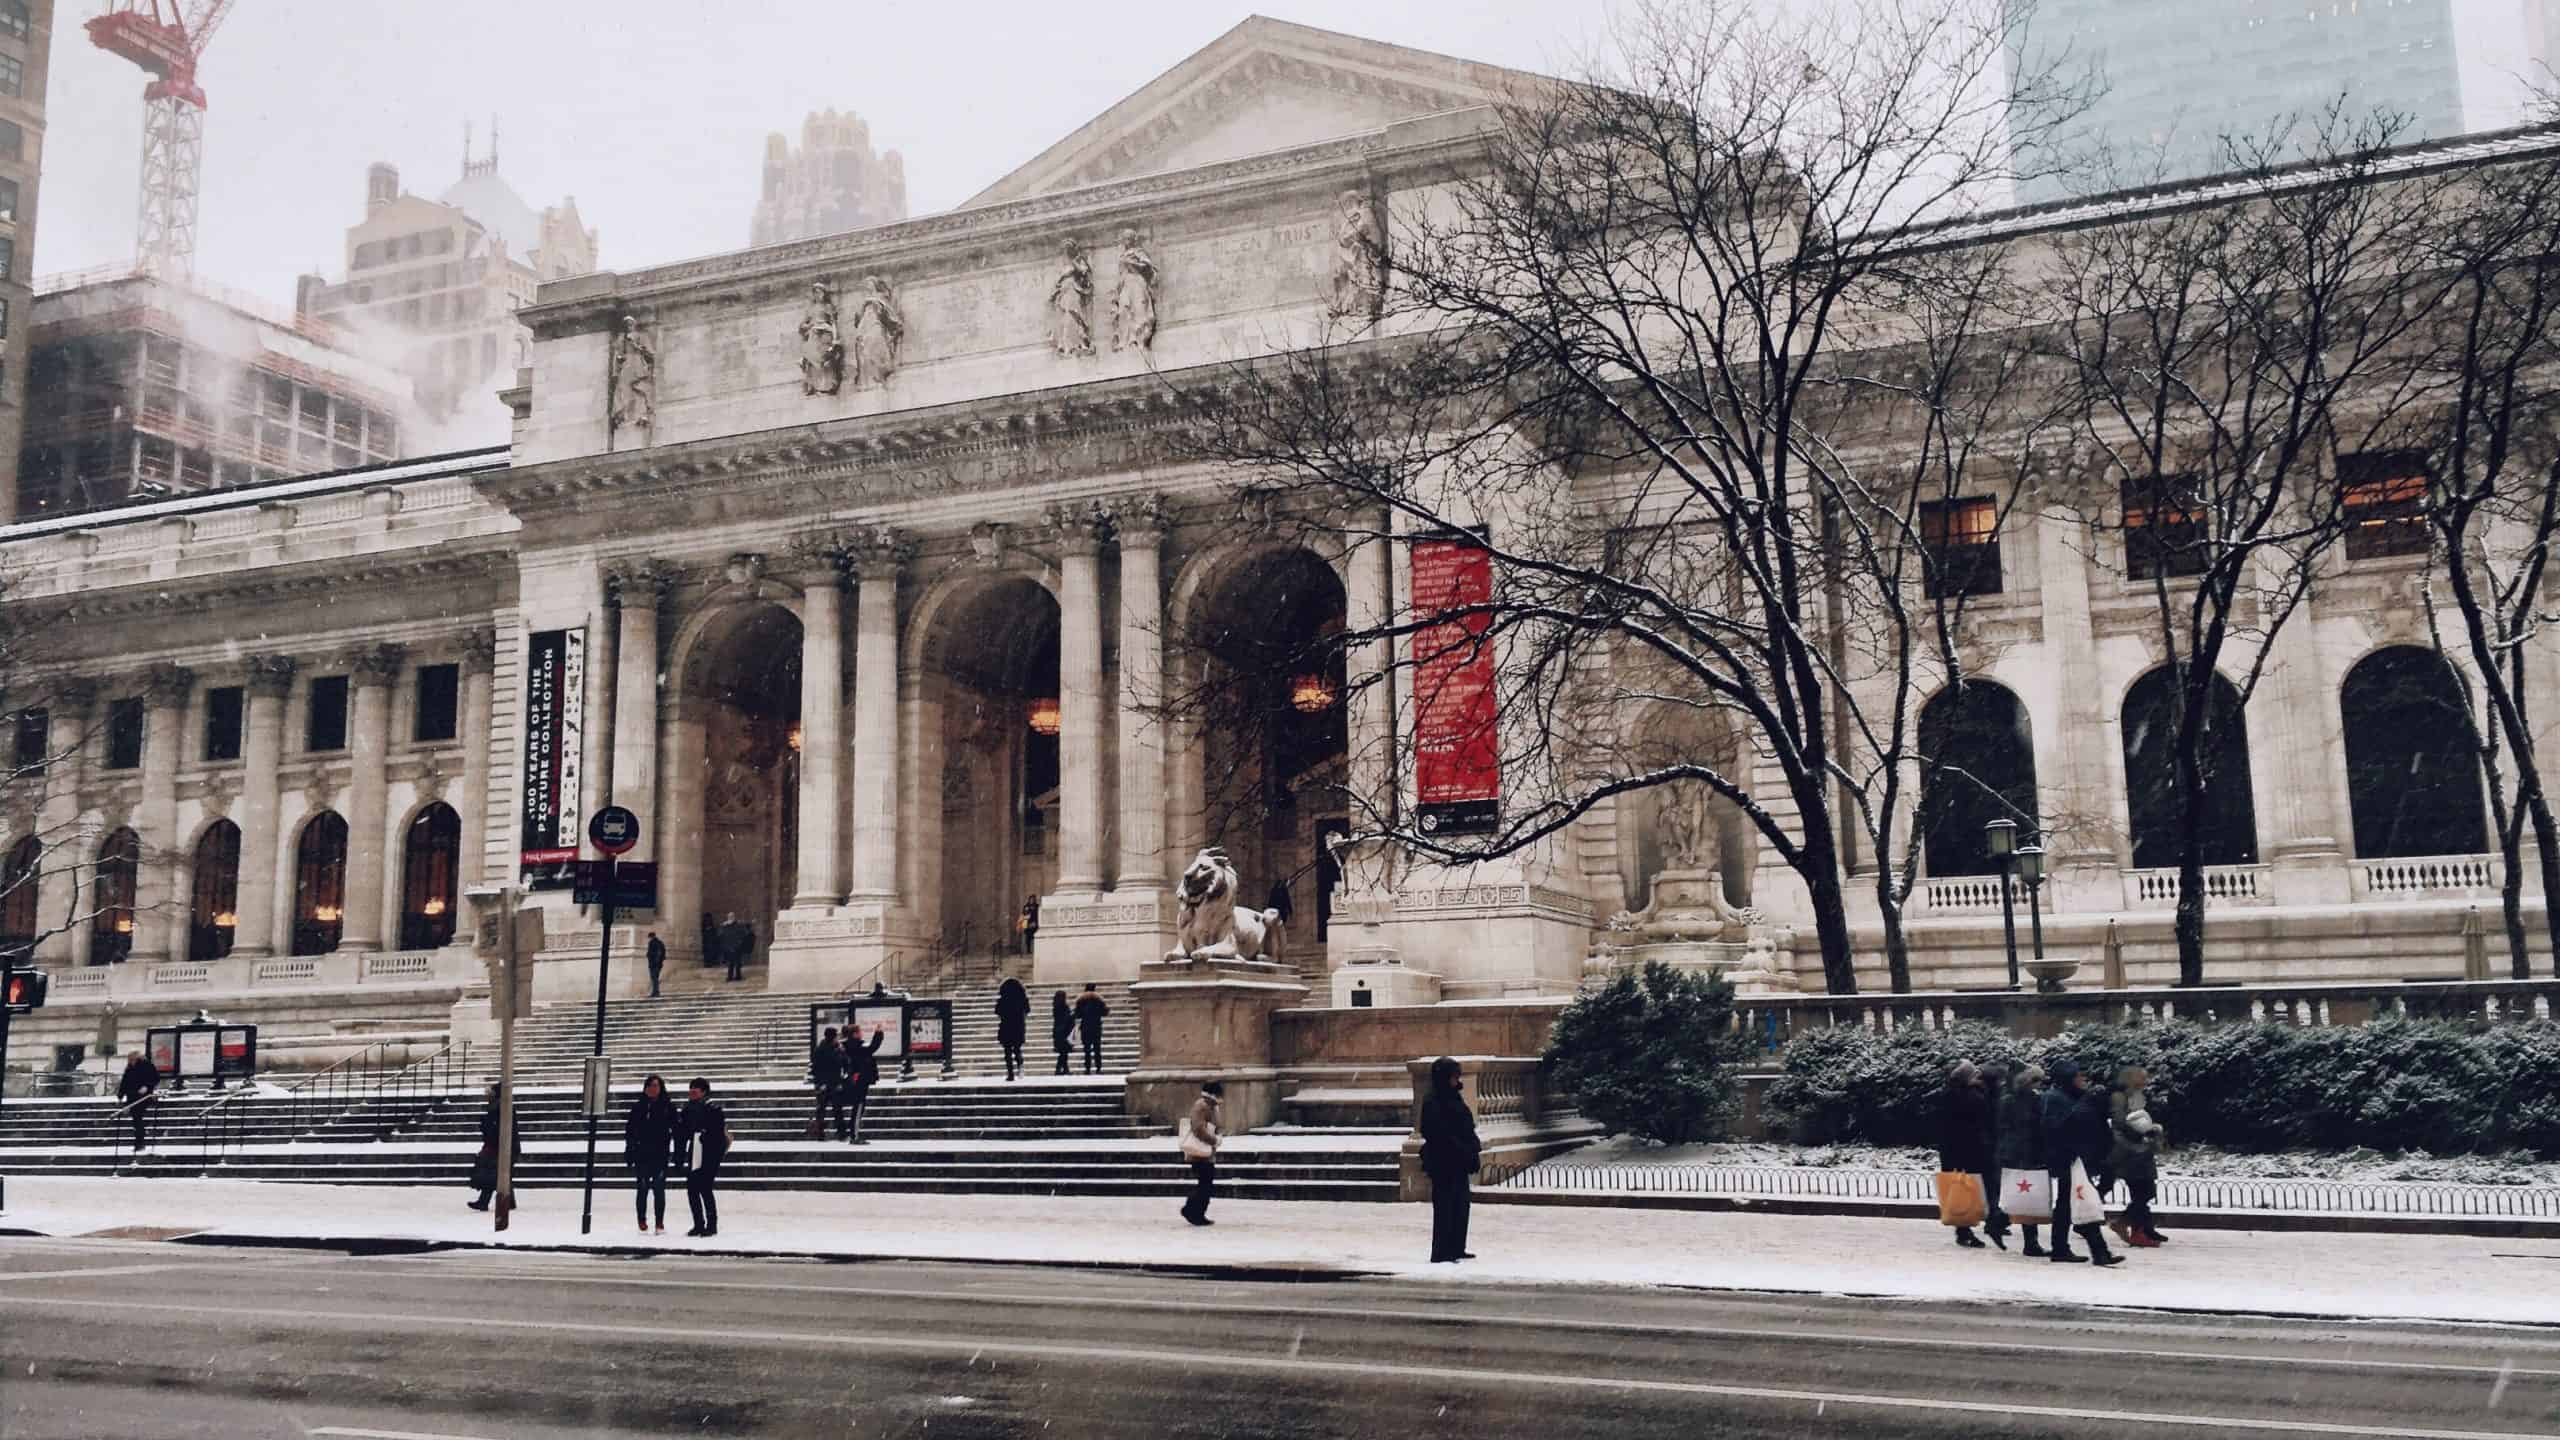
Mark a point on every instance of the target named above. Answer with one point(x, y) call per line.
point(1265, 85)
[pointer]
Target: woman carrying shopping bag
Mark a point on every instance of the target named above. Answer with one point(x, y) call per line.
point(2026, 1191)
point(1964, 1134)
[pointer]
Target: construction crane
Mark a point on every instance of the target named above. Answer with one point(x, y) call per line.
point(167, 39)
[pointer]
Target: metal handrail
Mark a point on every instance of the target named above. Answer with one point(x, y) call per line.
point(115, 1118)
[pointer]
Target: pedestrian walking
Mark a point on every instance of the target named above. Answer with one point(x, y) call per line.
point(737, 941)
point(1995, 1089)
point(484, 1166)
point(1013, 1023)
point(702, 1138)
point(826, 1077)
point(862, 1071)
point(2134, 1155)
point(139, 1092)
point(1451, 1154)
point(657, 962)
point(1964, 1146)
point(1062, 1028)
point(1089, 1012)
point(1029, 924)
point(1200, 1146)
point(648, 1144)
point(2026, 1190)
point(2075, 1132)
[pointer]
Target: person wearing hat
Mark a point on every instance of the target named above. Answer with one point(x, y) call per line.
point(1964, 1134)
point(1200, 1147)
point(2134, 1154)
point(2075, 1134)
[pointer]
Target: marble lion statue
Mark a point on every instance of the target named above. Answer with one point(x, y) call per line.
point(1209, 924)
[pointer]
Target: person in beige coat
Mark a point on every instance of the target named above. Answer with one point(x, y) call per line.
point(1200, 1147)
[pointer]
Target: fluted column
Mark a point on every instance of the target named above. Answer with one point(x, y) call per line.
point(1368, 602)
point(375, 668)
point(67, 713)
point(821, 730)
point(637, 590)
point(2301, 831)
point(1142, 858)
point(2082, 747)
point(157, 921)
point(479, 664)
point(262, 755)
point(1079, 704)
point(875, 720)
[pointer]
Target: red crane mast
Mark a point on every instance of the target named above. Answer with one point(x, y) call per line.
point(167, 39)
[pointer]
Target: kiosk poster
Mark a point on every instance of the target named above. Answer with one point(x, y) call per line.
point(928, 1029)
point(195, 1054)
point(555, 691)
point(164, 1052)
point(1457, 749)
point(886, 1019)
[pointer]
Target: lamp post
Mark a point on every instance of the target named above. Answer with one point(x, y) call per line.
point(2002, 836)
point(2031, 870)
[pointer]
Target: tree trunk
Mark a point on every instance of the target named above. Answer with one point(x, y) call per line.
point(2190, 918)
point(1897, 945)
point(2511, 912)
point(1831, 928)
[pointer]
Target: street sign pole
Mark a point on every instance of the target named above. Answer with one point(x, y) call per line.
point(614, 830)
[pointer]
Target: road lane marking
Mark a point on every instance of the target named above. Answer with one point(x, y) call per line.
point(388, 1434)
point(421, 1268)
point(1185, 1360)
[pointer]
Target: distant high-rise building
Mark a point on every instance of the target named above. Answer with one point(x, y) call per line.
point(26, 40)
point(833, 183)
point(2183, 77)
point(433, 285)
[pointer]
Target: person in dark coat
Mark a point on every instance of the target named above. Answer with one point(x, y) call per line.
point(2134, 1155)
point(484, 1166)
point(2075, 1128)
point(1995, 1085)
point(657, 962)
point(861, 1072)
point(2019, 1141)
point(702, 1141)
point(139, 1091)
point(648, 1140)
point(1013, 1024)
point(737, 942)
point(826, 1076)
point(1029, 924)
point(1450, 1154)
point(1062, 1028)
point(1089, 1012)
point(1964, 1133)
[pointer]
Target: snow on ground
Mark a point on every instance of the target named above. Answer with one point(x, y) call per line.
point(2198, 1162)
point(2394, 1276)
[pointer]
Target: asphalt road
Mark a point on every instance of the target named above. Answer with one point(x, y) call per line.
point(101, 1339)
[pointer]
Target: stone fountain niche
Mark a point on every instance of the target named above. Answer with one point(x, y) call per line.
point(1685, 858)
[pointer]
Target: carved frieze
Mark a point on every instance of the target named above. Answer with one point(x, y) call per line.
point(164, 685)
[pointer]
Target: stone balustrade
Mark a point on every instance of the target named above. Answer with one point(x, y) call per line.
point(1961, 895)
point(2223, 885)
point(2426, 877)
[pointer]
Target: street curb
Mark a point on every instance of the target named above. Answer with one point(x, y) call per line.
point(2490, 1227)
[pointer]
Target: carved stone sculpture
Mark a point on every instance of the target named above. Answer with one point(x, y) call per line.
point(1358, 261)
point(1133, 298)
point(1210, 926)
point(821, 344)
point(1071, 303)
point(877, 329)
point(632, 380)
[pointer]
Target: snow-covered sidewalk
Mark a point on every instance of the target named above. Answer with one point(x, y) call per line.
point(2400, 1277)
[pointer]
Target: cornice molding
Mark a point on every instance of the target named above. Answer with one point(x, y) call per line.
point(324, 579)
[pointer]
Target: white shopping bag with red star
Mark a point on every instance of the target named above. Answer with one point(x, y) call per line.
point(2026, 1195)
point(2088, 1202)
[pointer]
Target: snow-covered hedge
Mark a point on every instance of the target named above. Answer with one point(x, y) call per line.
point(1651, 1055)
point(2391, 1086)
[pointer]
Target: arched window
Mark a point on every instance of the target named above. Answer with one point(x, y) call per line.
point(20, 878)
point(427, 876)
point(320, 885)
point(111, 907)
point(2413, 778)
point(1978, 764)
point(2229, 828)
point(213, 913)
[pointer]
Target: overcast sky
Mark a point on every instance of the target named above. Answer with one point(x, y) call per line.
point(652, 113)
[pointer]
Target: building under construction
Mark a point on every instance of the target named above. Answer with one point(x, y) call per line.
point(142, 387)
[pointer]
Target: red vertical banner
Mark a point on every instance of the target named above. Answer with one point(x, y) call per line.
point(1456, 723)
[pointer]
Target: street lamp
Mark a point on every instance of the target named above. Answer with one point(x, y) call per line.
point(2031, 869)
point(2002, 836)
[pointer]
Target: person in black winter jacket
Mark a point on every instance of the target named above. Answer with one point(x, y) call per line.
point(826, 1077)
point(648, 1138)
point(484, 1166)
point(1090, 1008)
point(1995, 1085)
point(1013, 1023)
point(2075, 1129)
point(1450, 1154)
point(1964, 1133)
point(2018, 1143)
point(861, 1072)
point(1062, 1028)
point(702, 1140)
point(139, 1090)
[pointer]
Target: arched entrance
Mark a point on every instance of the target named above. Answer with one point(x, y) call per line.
point(2413, 778)
point(1977, 765)
point(991, 727)
point(742, 691)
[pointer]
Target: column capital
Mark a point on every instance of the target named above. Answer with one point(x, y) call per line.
point(1079, 529)
point(269, 674)
point(880, 552)
point(166, 684)
point(1141, 520)
point(816, 560)
point(639, 583)
point(73, 694)
point(377, 665)
point(479, 650)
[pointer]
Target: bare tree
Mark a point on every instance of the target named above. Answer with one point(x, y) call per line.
point(1686, 356)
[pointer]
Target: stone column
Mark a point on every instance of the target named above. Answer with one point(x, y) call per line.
point(1079, 704)
point(821, 584)
point(637, 589)
point(58, 888)
point(604, 678)
point(2301, 831)
point(479, 663)
point(375, 668)
point(159, 916)
point(1143, 863)
point(1368, 604)
point(262, 751)
point(2082, 746)
point(875, 721)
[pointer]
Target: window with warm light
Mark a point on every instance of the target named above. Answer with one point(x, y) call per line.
point(1962, 538)
point(213, 912)
point(2385, 502)
point(1044, 716)
point(2164, 527)
point(432, 860)
point(112, 889)
point(320, 885)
